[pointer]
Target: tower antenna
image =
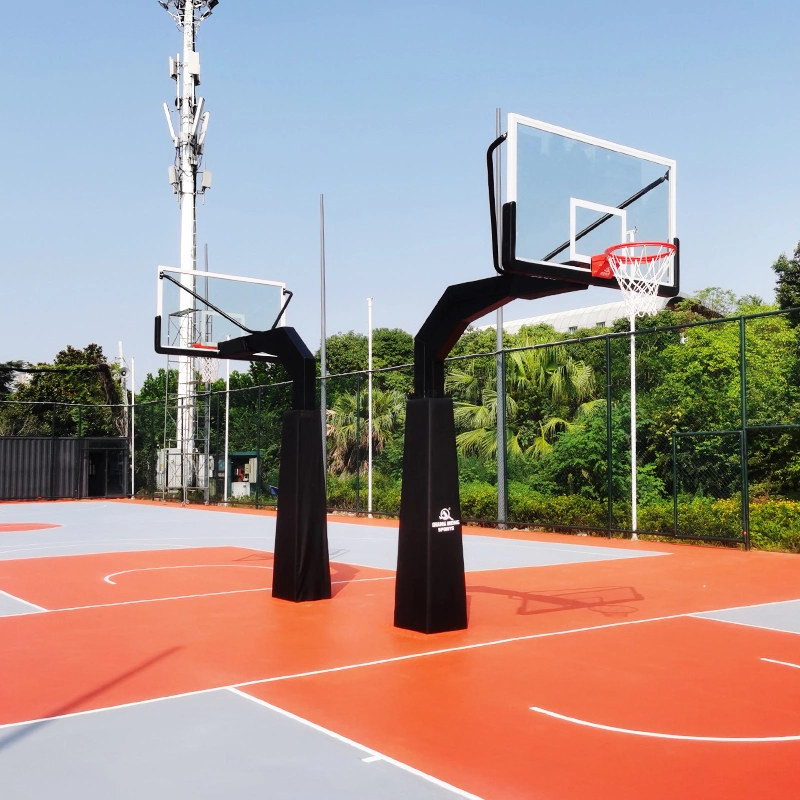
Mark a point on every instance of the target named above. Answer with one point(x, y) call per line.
point(188, 138)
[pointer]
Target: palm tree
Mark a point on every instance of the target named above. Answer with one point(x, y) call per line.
point(347, 427)
point(548, 371)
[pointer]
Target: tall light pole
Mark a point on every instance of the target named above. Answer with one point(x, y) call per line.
point(369, 403)
point(188, 143)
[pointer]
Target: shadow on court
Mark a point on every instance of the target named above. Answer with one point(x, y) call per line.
point(609, 601)
point(27, 730)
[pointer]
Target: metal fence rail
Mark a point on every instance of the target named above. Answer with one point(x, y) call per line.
point(717, 424)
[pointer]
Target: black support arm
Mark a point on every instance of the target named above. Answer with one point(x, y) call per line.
point(290, 350)
point(462, 304)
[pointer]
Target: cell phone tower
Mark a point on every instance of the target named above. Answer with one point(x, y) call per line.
point(183, 176)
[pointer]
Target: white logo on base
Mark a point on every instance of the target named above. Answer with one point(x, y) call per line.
point(446, 522)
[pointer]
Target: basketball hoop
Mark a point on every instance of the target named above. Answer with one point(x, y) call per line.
point(639, 268)
point(207, 367)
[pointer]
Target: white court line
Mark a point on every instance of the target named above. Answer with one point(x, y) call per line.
point(55, 717)
point(654, 735)
point(20, 600)
point(782, 663)
point(108, 577)
point(743, 624)
point(372, 759)
point(442, 651)
point(458, 649)
point(374, 755)
point(176, 597)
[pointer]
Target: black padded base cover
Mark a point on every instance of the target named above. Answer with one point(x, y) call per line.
point(301, 569)
point(430, 591)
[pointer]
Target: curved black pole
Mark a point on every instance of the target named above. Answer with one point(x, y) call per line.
point(493, 202)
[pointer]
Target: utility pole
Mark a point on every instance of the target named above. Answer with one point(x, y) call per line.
point(188, 143)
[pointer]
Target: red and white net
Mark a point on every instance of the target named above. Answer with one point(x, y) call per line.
point(640, 268)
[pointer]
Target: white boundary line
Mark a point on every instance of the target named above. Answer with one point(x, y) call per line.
point(108, 577)
point(742, 624)
point(26, 602)
point(55, 717)
point(174, 597)
point(354, 666)
point(782, 663)
point(373, 755)
point(653, 735)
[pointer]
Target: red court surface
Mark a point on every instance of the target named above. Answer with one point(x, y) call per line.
point(15, 527)
point(583, 680)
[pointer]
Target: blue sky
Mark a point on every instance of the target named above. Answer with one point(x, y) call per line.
point(387, 110)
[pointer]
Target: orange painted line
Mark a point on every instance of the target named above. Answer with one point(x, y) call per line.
point(465, 717)
point(16, 527)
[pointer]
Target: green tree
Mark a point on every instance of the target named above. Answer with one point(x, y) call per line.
point(348, 434)
point(78, 394)
point(787, 290)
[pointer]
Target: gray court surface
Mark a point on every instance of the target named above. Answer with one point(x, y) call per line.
point(10, 606)
point(773, 616)
point(213, 745)
point(99, 527)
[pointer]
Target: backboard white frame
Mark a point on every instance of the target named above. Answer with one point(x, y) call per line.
point(178, 273)
point(515, 121)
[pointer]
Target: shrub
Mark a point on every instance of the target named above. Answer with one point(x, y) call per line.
point(478, 500)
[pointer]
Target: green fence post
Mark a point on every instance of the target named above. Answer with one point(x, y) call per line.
point(745, 490)
point(674, 483)
point(53, 452)
point(79, 453)
point(609, 442)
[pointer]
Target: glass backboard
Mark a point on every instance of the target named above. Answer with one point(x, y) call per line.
point(197, 310)
point(569, 196)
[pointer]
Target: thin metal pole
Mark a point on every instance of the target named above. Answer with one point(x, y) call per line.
point(165, 454)
point(502, 478)
point(609, 441)
point(358, 443)
point(227, 422)
point(745, 490)
point(323, 326)
point(133, 424)
point(258, 447)
point(369, 403)
point(634, 520)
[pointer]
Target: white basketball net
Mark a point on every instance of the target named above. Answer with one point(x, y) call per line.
point(208, 368)
point(639, 268)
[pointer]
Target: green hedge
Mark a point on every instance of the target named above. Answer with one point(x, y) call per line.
point(774, 524)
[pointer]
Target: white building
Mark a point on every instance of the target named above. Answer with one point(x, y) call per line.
point(603, 316)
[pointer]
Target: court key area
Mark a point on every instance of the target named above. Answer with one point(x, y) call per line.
point(143, 655)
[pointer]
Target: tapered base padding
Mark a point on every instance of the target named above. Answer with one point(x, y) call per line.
point(430, 591)
point(301, 569)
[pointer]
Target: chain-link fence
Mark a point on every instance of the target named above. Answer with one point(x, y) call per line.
point(717, 434)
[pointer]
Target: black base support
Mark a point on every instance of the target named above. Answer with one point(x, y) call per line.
point(430, 591)
point(301, 570)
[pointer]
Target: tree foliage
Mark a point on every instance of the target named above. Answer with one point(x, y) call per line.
point(787, 289)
